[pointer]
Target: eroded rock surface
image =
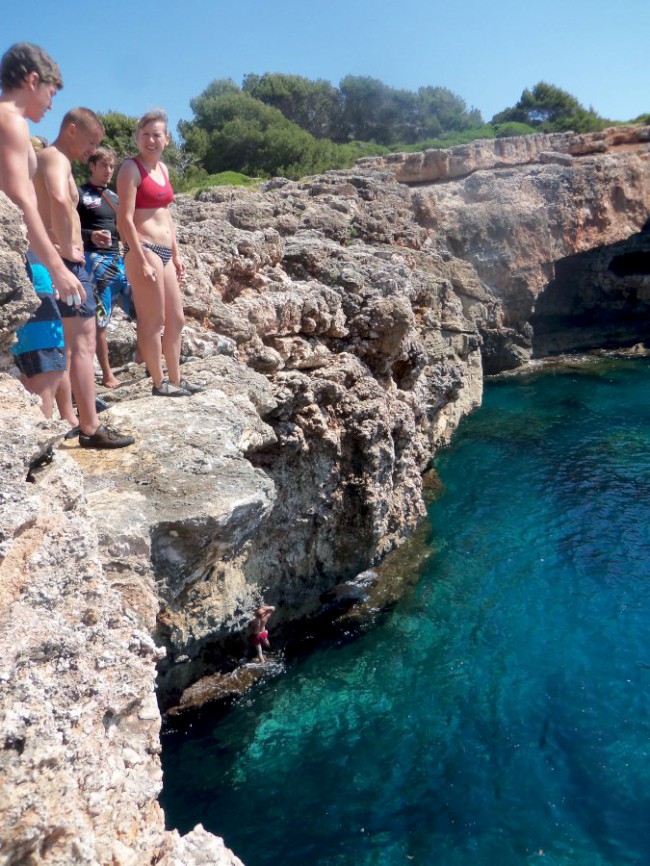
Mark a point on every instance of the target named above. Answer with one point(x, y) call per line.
point(514, 207)
point(79, 720)
point(341, 327)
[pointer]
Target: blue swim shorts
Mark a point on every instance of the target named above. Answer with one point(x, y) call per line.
point(41, 361)
point(106, 272)
point(87, 309)
point(39, 346)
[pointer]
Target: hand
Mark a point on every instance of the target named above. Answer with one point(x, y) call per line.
point(68, 288)
point(149, 272)
point(101, 237)
point(179, 268)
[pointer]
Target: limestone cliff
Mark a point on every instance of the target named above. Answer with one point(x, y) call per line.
point(342, 326)
point(516, 208)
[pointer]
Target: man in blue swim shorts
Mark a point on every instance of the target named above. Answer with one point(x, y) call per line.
point(39, 351)
point(30, 79)
point(98, 214)
point(57, 194)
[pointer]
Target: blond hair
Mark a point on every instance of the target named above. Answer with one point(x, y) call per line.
point(154, 115)
point(38, 142)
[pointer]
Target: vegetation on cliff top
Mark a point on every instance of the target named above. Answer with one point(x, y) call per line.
point(548, 109)
point(288, 125)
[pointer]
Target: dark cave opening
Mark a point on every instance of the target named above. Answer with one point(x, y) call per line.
point(599, 299)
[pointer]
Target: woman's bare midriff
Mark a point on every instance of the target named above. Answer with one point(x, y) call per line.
point(154, 225)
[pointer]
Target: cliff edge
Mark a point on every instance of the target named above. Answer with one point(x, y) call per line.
point(341, 327)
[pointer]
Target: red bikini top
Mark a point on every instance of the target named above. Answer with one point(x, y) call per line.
point(151, 194)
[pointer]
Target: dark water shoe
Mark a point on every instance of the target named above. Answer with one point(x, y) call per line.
point(168, 389)
point(105, 437)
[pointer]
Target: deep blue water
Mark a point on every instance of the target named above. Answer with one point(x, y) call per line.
point(500, 714)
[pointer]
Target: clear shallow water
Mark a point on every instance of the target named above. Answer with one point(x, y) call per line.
point(500, 714)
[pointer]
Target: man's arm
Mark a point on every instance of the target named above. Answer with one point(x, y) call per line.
point(16, 183)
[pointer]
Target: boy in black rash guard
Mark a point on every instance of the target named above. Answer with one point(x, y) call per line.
point(98, 213)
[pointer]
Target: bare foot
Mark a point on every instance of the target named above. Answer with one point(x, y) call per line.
point(110, 381)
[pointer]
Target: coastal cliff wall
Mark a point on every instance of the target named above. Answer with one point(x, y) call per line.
point(342, 327)
point(333, 366)
point(516, 207)
point(79, 721)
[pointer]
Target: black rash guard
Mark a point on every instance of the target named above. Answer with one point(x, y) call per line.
point(96, 214)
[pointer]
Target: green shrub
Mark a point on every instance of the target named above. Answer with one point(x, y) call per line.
point(451, 139)
point(550, 109)
point(513, 128)
point(198, 180)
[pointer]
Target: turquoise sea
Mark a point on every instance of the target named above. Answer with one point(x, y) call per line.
point(499, 715)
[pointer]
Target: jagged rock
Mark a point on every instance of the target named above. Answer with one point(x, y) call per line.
point(17, 297)
point(515, 221)
point(351, 591)
point(184, 502)
point(342, 325)
point(197, 848)
point(79, 722)
point(218, 687)
point(488, 154)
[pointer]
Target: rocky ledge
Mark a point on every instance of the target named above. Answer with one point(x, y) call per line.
point(341, 327)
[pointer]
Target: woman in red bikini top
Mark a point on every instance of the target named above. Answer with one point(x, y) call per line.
point(151, 258)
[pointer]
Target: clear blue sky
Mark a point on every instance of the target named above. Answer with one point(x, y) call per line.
point(130, 57)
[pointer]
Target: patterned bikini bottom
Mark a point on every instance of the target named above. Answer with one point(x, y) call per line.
point(163, 253)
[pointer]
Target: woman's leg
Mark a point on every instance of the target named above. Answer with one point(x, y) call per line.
point(149, 297)
point(174, 321)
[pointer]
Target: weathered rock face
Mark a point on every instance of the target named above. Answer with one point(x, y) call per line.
point(17, 300)
point(489, 154)
point(79, 720)
point(359, 358)
point(80, 724)
point(341, 328)
point(514, 207)
point(370, 343)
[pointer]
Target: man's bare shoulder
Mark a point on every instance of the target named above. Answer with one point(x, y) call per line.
point(13, 125)
point(50, 159)
point(16, 154)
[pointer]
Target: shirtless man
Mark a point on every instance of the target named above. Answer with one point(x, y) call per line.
point(57, 194)
point(257, 629)
point(29, 79)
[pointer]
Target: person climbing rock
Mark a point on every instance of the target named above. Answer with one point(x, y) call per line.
point(257, 630)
